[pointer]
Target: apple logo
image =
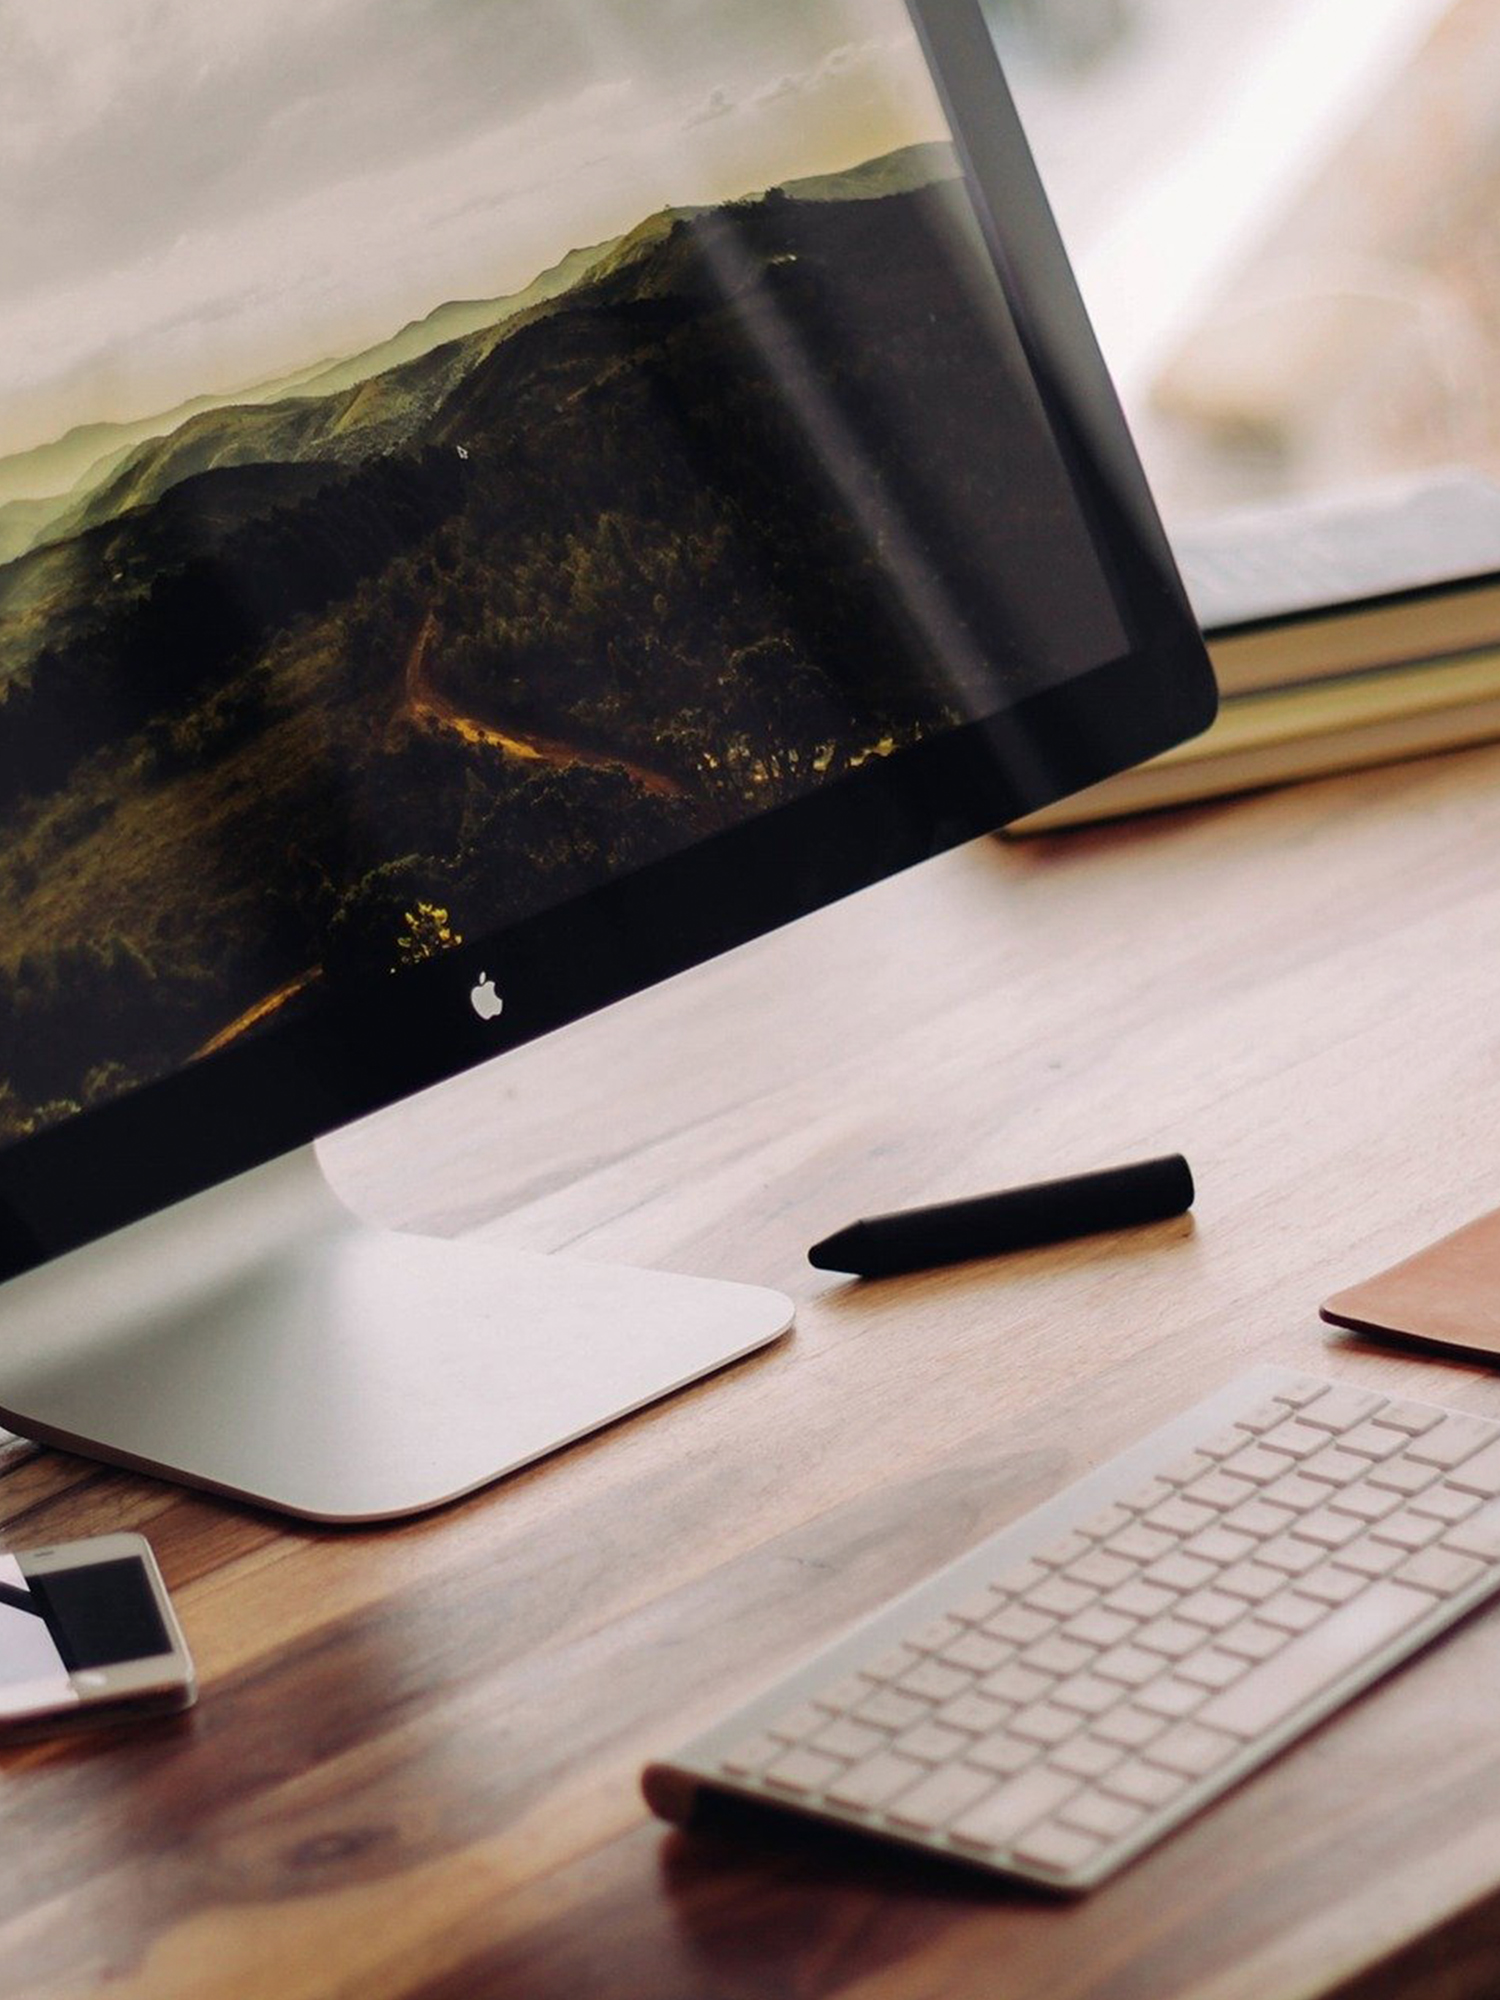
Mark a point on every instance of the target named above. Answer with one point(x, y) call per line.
point(485, 1001)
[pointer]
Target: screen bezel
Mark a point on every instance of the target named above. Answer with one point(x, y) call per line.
point(226, 1113)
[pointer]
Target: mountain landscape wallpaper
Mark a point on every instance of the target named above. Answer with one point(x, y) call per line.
point(504, 463)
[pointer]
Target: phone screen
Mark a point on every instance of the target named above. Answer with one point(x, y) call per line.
point(56, 1623)
point(101, 1613)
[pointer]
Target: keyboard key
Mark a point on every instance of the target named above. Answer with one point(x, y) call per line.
point(1220, 1545)
point(1294, 1557)
point(1107, 1523)
point(940, 1797)
point(1128, 1666)
point(1013, 1807)
point(889, 1710)
point(1256, 1464)
point(893, 1664)
point(876, 1782)
point(1143, 1784)
point(1403, 1476)
point(1326, 1528)
point(1252, 1639)
point(1099, 1570)
point(1315, 1661)
point(1450, 1442)
point(1260, 1519)
point(976, 1652)
point(1185, 1470)
point(1407, 1530)
point(1441, 1571)
point(1170, 1637)
point(1368, 1558)
point(1413, 1418)
point(976, 1608)
point(1330, 1585)
point(1170, 1698)
point(1044, 1723)
point(1216, 1489)
point(1333, 1466)
point(1191, 1750)
point(975, 1714)
point(1292, 1611)
point(803, 1720)
point(1139, 1600)
point(1140, 1545)
point(1444, 1503)
point(1340, 1409)
point(1294, 1440)
point(930, 1743)
point(803, 1770)
point(1130, 1727)
point(1364, 1502)
point(934, 1637)
point(1211, 1609)
point(848, 1740)
point(1057, 1655)
point(1480, 1474)
point(1251, 1580)
point(1300, 1391)
point(1097, 1627)
point(1017, 1626)
point(1090, 1695)
point(753, 1755)
point(1297, 1493)
point(933, 1682)
point(845, 1694)
point(1478, 1536)
point(1054, 1846)
point(1180, 1516)
point(1059, 1597)
point(1264, 1417)
point(1002, 1754)
point(1016, 1683)
point(1373, 1440)
point(1211, 1668)
point(1086, 1756)
point(1098, 1813)
point(1020, 1578)
point(1067, 1549)
point(1179, 1572)
point(1223, 1444)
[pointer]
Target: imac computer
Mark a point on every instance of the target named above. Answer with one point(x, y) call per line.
point(497, 505)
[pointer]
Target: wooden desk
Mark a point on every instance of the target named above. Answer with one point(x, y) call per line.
point(413, 1768)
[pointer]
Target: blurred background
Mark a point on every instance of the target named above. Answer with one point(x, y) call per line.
point(1285, 216)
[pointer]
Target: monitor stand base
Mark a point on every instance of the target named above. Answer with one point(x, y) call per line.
point(261, 1341)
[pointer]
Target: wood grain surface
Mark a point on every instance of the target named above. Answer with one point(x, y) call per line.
point(413, 1768)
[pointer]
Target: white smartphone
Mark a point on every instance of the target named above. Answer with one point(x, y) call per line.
point(87, 1635)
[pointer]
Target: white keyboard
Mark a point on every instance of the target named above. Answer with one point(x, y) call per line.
point(1068, 1692)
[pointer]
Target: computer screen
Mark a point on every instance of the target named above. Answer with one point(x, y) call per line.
point(495, 504)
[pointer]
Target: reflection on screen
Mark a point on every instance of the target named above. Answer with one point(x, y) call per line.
point(538, 444)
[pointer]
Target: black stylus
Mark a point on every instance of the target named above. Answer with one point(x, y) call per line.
point(1020, 1219)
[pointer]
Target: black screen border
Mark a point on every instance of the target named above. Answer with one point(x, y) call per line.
point(360, 1052)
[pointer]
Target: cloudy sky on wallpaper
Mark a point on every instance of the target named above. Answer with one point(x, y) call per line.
point(196, 195)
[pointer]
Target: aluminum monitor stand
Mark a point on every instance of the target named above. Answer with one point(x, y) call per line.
point(261, 1341)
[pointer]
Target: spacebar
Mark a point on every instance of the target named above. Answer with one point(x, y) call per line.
point(1271, 1692)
